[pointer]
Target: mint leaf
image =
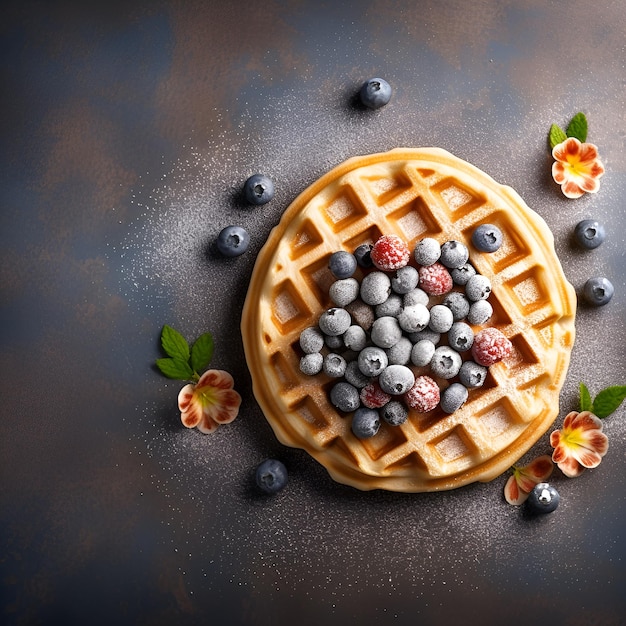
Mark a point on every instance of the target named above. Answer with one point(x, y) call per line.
point(557, 135)
point(174, 344)
point(202, 352)
point(175, 368)
point(608, 400)
point(578, 127)
point(585, 399)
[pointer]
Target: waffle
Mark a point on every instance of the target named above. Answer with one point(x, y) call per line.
point(412, 193)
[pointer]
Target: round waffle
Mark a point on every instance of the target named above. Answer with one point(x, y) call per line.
point(412, 193)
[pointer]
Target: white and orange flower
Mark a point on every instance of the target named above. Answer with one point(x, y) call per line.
point(579, 444)
point(209, 402)
point(577, 167)
point(524, 479)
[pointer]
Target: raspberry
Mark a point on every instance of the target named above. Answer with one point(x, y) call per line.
point(373, 397)
point(390, 253)
point(435, 279)
point(490, 346)
point(424, 395)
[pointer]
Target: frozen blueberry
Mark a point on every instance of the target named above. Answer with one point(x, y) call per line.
point(405, 280)
point(396, 379)
point(431, 335)
point(446, 362)
point(458, 304)
point(427, 251)
point(453, 397)
point(413, 319)
point(311, 364)
point(311, 340)
point(589, 234)
point(478, 288)
point(363, 255)
point(375, 93)
point(334, 365)
point(386, 332)
point(375, 288)
point(422, 353)
point(334, 342)
point(355, 338)
point(544, 498)
point(365, 422)
point(415, 296)
point(487, 238)
point(271, 476)
point(394, 413)
point(391, 306)
point(441, 319)
point(372, 361)
point(460, 337)
point(345, 397)
point(343, 292)
point(342, 264)
point(233, 241)
point(472, 375)
point(354, 376)
point(454, 254)
point(598, 291)
point(400, 353)
point(335, 321)
point(460, 275)
point(479, 312)
point(258, 189)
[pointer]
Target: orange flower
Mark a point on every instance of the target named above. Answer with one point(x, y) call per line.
point(579, 444)
point(577, 167)
point(524, 479)
point(210, 402)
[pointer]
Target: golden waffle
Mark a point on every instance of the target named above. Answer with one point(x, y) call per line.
point(412, 193)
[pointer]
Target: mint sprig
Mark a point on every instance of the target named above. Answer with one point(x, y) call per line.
point(605, 403)
point(183, 363)
point(576, 128)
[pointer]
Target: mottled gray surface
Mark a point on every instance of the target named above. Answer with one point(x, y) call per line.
point(127, 130)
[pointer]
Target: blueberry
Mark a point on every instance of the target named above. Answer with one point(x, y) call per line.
point(372, 361)
point(258, 189)
point(479, 312)
point(422, 352)
point(342, 264)
point(441, 318)
point(413, 319)
point(460, 336)
point(363, 255)
point(598, 291)
point(394, 413)
point(458, 304)
point(311, 340)
point(544, 498)
point(396, 379)
point(589, 234)
point(311, 364)
point(487, 238)
point(355, 338)
point(460, 275)
point(365, 422)
point(354, 376)
point(472, 375)
point(454, 254)
point(400, 353)
point(335, 321)
point(478, 288)
point(345, 397)
point(343, 292)
point(446, 362)
point(386, 332)
point(453, 397)
point(375, 93)
point(233, 241)
point(375, 288)
point(334, 365)
point(405, 280)
point(391, 306)
point(271, 476)
point(427, 251)
point(416, 296)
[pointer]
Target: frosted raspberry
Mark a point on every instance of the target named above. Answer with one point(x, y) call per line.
point(435, 279)
point(490, 346)
point(423, 396)
point(390, 253)
point(373, 397)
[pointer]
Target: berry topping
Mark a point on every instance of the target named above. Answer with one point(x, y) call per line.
point(373, 397)
point(453, 397)
point(427, 251)
point(375, 288)
point(363, 255)
point(394, 413)
point(487, 238)
point(598, 291)
point(589, 234)
point(441, 318)
point(343, 292)
point(479, 312)
point(472, 375)
point(424, 395)
point(460, 275)
point(405, 280)
point(435, 279)
point(258, 189)
point(335, 321)
point(490, 346)
point(446, 362)
point(372, 361)
point(396, 380)
point(365, 422)
point(334, 365)
point(342, 264)
point(386, 332)
point(422, 352)
point(375, 93)
point(544, 498)
point(311, 364)
point(345, 397)
point(454, 254)
point(311, 340)
point(390, 253)
point(271, 476)
point(233, 241)
point(478, 288)
point(460, 336)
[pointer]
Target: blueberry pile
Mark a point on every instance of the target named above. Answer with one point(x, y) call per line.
point(397, 318)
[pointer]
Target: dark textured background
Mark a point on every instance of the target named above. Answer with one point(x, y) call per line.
point(127, 129)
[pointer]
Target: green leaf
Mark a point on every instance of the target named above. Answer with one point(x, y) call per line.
point(175, 368)
point(608, 400)
point(174, 344)
point(557, 135)
point(585, 398)
point(578, 127)
point(202, 352)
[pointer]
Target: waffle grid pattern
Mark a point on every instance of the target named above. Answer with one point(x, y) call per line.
point(532, 306)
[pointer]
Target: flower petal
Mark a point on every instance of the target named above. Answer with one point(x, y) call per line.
point(571, 467)
point(218, 379)
point(226, 406)
point(512, 493)
point(571, 189)
point(567, 150)
point(189, 406)
point(207, 425)
point(540, 468)
point(558, 172)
